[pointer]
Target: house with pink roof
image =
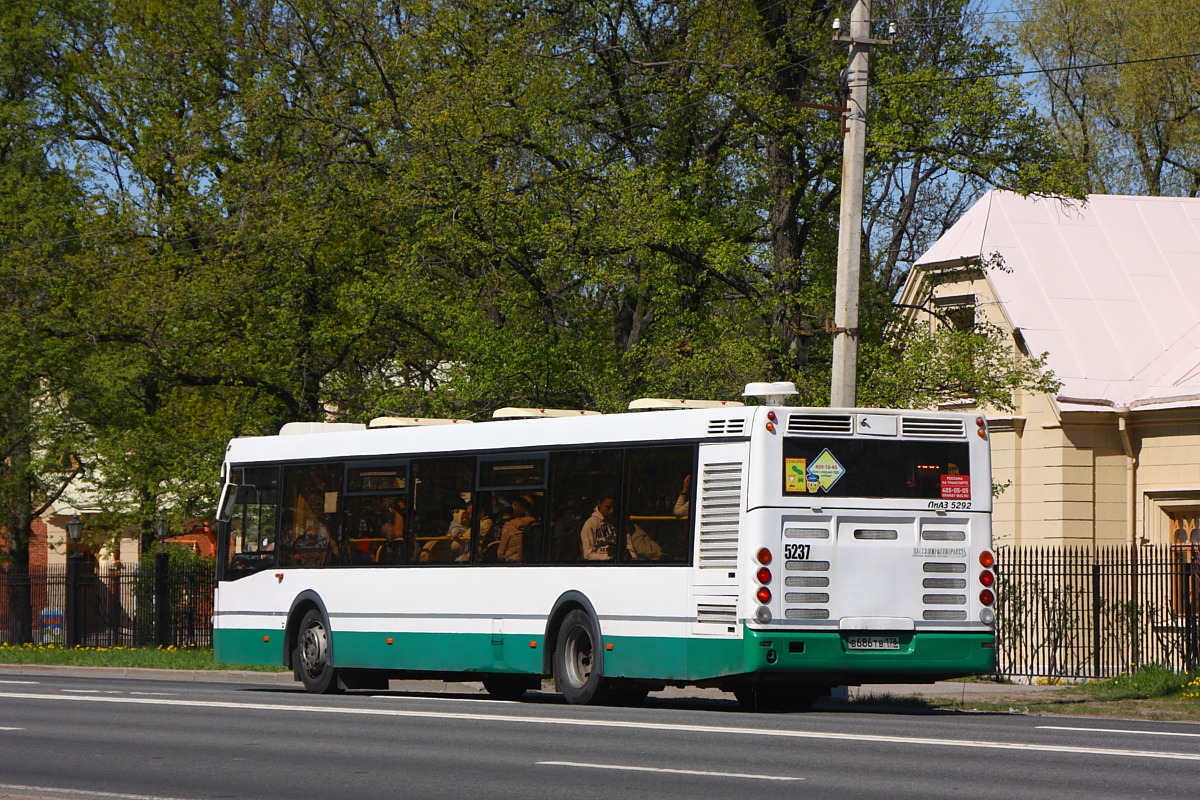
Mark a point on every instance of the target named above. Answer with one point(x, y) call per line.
point(1109, 290)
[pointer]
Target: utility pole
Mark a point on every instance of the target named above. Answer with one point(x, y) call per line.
point(854, 152)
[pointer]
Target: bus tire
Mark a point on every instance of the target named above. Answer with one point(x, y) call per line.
point(506, 687)
point(313, 657)
point(578, 668)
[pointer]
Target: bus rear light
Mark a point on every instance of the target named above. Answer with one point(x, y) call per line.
point(987, 616)
point(770, 427)
point(986, 559)
point(762, 614)
point(763, 556)
point(981, 427)
point(987, 577)
point(763, 575)
point(987, 597)
point(764, 595)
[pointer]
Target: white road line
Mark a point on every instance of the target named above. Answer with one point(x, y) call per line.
point(15, 787)
point(12, 729)
point(25, 683)
point(631, 768)
point(1116, 730)
point(858, 738)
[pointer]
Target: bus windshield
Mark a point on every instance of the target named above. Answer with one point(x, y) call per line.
point(890, 468)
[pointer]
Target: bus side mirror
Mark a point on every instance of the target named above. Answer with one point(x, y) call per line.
point(229, 494)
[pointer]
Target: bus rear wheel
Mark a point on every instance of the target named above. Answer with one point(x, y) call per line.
point(313, 657)
point(578, 673)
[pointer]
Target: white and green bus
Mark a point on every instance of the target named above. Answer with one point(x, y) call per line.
point(767, 550)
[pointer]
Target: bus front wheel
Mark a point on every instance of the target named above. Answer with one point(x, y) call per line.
point(313, 657)
point(578, 674)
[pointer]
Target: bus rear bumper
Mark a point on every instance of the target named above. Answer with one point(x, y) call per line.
point(868, 656)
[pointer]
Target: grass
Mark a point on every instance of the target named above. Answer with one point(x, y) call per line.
point(187, 658)
point(1151, 692)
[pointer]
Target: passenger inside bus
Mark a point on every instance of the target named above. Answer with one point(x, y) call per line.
point(598, 536)
point(511, 547)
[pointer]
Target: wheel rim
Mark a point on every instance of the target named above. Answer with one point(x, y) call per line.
point(314, 649)
point(578, 661)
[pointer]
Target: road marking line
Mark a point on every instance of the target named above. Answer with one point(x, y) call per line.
point(14, 787)
point(858, 738)
point(630, 768)
point(25, 683)
point(12, 729)
point(1115, 730)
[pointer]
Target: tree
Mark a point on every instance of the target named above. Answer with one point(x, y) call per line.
point(38, 437)
point(1121, 82)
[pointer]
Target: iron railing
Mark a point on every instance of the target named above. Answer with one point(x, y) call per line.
point(1079, 613)
point(150, 604)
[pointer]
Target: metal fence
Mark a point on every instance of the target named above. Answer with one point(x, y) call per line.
point(150, 604)
point(1082, 613)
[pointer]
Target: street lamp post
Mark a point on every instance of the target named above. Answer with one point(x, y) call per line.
point(74, 568)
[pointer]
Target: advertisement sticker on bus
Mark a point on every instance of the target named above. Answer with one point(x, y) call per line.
point(794, 471)
point(956, 487)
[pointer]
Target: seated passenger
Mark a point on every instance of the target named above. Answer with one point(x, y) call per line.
point(598, 536)
point(641, 547)
point(512, 535)
point(452, 546)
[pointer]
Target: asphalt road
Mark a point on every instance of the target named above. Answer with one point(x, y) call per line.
point(127, 739)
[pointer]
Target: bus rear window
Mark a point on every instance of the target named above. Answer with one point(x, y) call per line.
point(894, 468)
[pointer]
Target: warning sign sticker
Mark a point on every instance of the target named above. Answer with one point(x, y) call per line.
point(824, 472)
point(956, 487)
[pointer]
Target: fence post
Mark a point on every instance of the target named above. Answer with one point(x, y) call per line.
point(1096, 601)
point(162, 598)
point(1191, 583)
point(71, 635)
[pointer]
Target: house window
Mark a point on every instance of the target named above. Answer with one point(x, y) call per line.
point(1185, 560)
point(957, 311)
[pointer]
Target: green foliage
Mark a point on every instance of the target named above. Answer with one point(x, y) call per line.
point(1120, 90)
point(251, 213)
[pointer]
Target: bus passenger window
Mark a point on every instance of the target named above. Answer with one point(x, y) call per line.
point(311, 507)
point(578, 482)
point(442, 493)
point(656, 527)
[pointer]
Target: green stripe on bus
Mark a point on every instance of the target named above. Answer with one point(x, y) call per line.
point(669, 659)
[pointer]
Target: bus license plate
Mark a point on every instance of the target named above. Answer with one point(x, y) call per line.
point(874, 642)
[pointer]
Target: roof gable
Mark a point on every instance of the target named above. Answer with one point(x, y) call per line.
point(1109, 288)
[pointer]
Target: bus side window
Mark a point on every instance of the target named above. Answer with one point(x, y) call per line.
point(442, 493)
point(577, 482)
point(310, 520)
point(656, 525)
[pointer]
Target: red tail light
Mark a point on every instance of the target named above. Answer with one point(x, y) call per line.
point(764, 595)
point(763, 575)
point(987, 577)
point(987, 597)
